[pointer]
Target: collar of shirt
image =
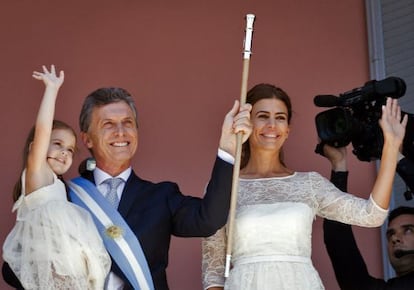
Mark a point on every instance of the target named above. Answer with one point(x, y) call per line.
point(100, 176)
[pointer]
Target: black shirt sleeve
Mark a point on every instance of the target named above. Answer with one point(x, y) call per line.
point(350, 269)
point(405, 169)
point(10, 278)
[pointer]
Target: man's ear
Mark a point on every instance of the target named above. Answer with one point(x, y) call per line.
point(86, 140)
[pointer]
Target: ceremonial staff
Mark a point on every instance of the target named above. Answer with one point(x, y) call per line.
point(236, 170)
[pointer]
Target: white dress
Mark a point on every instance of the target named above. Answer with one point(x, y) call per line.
point(273, 228)
point(54, 243)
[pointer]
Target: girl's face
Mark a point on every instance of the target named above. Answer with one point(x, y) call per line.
point(270, 124)
point(61, 149)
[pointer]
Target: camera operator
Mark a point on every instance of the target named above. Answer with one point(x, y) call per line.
point(355, 119)
point(350, 269)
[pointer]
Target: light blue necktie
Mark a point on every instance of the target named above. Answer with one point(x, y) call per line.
point(112, 195)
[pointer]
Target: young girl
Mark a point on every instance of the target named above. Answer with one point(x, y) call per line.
point(54, 244)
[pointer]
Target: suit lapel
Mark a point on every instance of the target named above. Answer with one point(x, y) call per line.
point(88, 175)
point(134, 188)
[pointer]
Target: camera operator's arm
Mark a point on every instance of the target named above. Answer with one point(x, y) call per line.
point(339, 172)
point(405, 169)
point(349, 266)
point(393, 130)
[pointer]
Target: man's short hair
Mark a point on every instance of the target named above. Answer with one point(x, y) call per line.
point(400, 211)
point(102, 97)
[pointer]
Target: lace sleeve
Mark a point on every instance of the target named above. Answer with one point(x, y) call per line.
point(344, 207)
point(214, 252)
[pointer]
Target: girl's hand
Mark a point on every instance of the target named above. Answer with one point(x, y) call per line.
point(49, 77)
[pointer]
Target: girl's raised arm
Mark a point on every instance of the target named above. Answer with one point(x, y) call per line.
point(38, 172)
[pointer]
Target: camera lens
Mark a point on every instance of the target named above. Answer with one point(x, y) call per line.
point(334, 127)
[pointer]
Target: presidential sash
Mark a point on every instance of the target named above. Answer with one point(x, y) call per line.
point(119, 240)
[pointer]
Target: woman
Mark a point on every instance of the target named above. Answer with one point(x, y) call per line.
point(277, 205)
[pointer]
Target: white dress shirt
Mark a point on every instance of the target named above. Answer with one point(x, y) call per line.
point(113, 281)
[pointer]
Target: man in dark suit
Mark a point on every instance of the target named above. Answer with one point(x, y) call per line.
point(350, 269)
point(153, 211)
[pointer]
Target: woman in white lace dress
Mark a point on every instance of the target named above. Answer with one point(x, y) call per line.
point(276, 205)
point(54, 243)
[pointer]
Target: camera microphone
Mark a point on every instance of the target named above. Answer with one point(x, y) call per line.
point(389, 87)
point(400, 253)
point(326, 101)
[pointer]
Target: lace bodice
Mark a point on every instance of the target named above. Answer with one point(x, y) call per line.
point(26, 203)
point(274, 220)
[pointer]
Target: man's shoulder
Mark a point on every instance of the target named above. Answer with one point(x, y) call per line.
point(404, 282)
point(149, 184)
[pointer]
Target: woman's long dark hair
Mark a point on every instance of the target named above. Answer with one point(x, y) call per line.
point(17, 190)
point(255, 94)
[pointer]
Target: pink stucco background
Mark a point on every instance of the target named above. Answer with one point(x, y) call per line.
point(182, 61)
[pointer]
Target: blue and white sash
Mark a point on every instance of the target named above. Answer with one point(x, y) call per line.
point(119, 240)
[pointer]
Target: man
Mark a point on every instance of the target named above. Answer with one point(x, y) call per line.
point(152, 211)
point(349, 266)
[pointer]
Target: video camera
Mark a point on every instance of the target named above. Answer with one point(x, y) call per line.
point(355, 118)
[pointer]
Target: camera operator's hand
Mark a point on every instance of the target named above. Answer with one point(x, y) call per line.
point(337, 157)
point(393, 128)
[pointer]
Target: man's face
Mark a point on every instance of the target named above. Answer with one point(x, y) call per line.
point(112, 136)
point(400, 236)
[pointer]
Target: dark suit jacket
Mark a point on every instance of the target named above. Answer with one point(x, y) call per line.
point(350, 269)
point(155, 211)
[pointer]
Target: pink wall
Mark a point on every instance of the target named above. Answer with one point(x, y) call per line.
point(182, 62)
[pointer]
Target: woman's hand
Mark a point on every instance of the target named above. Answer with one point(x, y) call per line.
point(393, 128)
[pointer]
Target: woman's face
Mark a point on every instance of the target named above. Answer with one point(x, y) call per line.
point(61, 149)
point(270, 125)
